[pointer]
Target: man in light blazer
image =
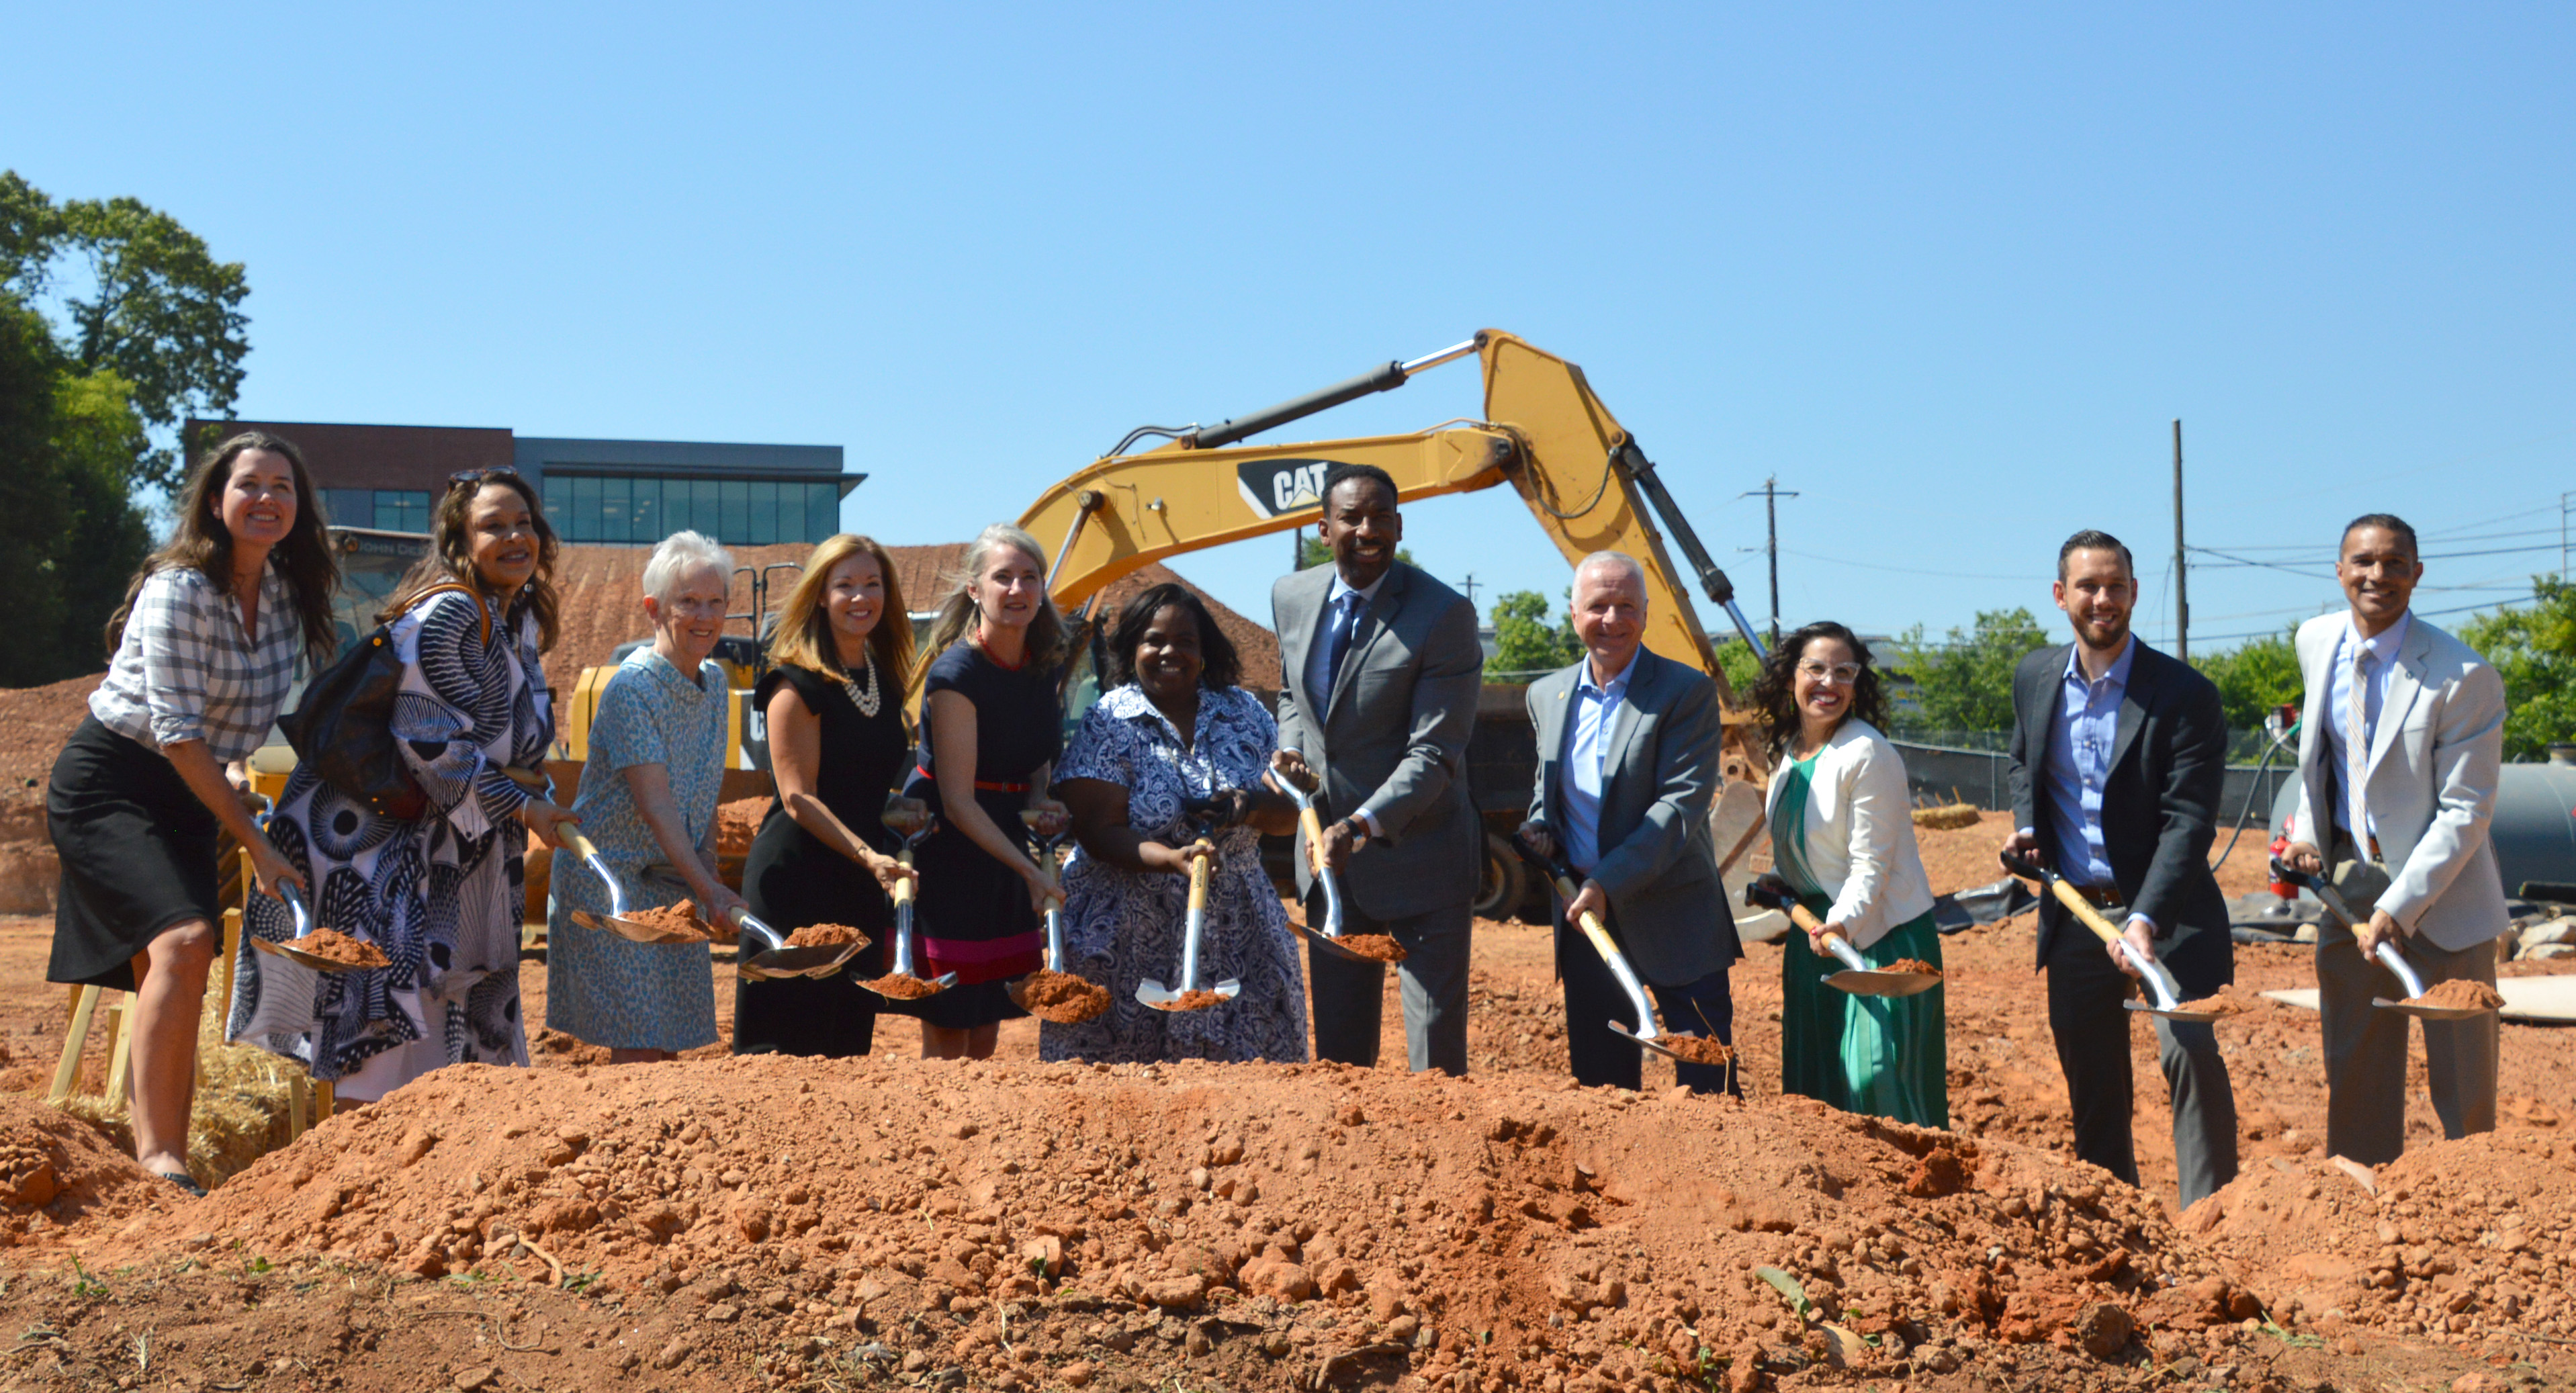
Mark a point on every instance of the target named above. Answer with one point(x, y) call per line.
point(2118, 756)
point(2412, 721)
point(1380, 674)
point(1627, 765)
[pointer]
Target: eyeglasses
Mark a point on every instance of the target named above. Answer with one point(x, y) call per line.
point(1841, 674)
point(464, 477)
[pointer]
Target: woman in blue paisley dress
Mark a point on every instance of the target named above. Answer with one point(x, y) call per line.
point(648, 802)
point(1174, 748)
point(440, 893)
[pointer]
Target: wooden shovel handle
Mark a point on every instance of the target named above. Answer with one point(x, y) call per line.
point(903, 887)
point(1198, 879)
point(2083, 909)
point(1314, 828)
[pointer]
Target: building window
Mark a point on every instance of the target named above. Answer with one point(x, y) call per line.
point(641, 510)
point(384, 510)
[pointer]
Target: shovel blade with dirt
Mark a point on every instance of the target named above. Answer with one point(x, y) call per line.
point(2396, 962)
point(1857, 975)
point(2159, 980)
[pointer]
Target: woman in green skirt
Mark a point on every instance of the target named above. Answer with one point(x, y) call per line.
point(1842, 836)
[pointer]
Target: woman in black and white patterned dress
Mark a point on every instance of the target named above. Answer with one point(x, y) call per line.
point(1176, 747)
point(441, 894)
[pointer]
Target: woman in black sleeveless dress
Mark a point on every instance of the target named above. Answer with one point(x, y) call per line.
point(990, 729)
point(834, 702)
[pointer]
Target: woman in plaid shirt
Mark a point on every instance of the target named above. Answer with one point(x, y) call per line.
point(204, 649)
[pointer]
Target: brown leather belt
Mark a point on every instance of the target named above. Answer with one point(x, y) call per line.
point(2099, 896)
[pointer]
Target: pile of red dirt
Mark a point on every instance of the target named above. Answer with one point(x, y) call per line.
point(57, 1171)
point(2472, 1237)
point(1522, 1232)
point(737, 823)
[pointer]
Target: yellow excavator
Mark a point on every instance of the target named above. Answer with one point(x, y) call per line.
point(1585, 480)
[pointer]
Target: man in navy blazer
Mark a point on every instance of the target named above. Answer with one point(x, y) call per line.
point(1627, 765)
point(2118, 756)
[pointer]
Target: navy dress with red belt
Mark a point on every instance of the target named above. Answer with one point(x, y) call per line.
point(973, 916)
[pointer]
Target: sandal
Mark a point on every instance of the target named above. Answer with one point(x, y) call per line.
point(185, 1182)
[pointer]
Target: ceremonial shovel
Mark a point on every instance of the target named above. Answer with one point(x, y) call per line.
point(2388, 955)
point(1330, 939)
point(1857, 976)
point(910, 819)
point(1647, 1035)
point(2161, 982)
point(303, 923)
point(1162, 998)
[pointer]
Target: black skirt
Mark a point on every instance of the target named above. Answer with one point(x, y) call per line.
point(138, 853)
point(792, 880)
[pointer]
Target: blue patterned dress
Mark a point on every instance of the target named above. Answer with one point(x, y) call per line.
point(441, 895)
point(600, 988)
point(1121, 926)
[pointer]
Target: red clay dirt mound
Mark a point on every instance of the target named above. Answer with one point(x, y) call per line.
point(2472, 1237)
point(57, 1170)
point(1523, 1232)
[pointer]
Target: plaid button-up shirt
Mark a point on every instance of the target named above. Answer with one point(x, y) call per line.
point(186, 671)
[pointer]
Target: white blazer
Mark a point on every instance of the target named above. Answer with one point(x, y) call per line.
point(2431, 788)
point(1860, 834)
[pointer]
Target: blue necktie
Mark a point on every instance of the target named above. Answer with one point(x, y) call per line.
point(1337, 639)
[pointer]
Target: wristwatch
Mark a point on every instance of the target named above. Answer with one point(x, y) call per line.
point(1359, 832)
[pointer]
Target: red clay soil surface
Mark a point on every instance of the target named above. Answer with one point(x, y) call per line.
point(2459, 994)
point(783, 1223)
point(1381, 947)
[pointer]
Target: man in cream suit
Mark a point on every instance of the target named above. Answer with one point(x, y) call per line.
point(1627, 764)
point(1381, 672)
point(2398, 755)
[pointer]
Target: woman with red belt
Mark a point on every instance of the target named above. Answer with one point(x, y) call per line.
point(990, 729)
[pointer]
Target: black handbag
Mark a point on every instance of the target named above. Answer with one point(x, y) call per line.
point(343, 728)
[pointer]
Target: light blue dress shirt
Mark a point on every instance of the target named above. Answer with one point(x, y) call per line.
point(2383, 661)
point(1587, 755)
point(2079, 763)
point(1319, 659)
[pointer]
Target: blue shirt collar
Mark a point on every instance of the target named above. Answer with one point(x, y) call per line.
point(2118, 676)
point(1342, 587)
point(2384, 647)
point(1617, 686)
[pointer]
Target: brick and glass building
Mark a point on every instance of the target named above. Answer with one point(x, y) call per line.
point(612, 492)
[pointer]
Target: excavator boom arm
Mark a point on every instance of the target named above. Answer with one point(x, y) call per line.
point(1544, 433)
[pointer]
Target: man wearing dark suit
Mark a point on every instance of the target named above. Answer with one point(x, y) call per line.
point(2118, 754)
point(1627, 764)
point(1380, 674)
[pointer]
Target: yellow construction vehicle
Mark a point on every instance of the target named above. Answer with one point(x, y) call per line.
point(1543, 432)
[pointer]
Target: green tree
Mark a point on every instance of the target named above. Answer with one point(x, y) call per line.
point(2534, 650)
point(160, 312)
point(1965, 683)
point(1742, 669)
point(1524, 642)
point(69, 532)
point(2254, 677)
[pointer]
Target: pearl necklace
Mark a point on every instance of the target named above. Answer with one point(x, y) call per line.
point(868, 701)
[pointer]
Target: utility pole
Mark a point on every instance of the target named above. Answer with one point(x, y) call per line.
point(1772, 493)
point(1469, 585)
point(2182, 563)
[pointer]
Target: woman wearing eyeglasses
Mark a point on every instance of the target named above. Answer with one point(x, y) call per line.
point(439, 891)
point(1842, 837)
point(648, 801)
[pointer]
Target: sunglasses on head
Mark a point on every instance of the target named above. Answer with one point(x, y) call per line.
point(464, 478)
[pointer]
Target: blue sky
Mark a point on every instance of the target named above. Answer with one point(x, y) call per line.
point(1948, 272)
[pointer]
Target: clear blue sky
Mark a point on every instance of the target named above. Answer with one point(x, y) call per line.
point(1949, 272)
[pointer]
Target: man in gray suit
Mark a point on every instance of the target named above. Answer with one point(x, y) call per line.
point(1627, 764)
point(1381, 670)
point(2399, 750)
